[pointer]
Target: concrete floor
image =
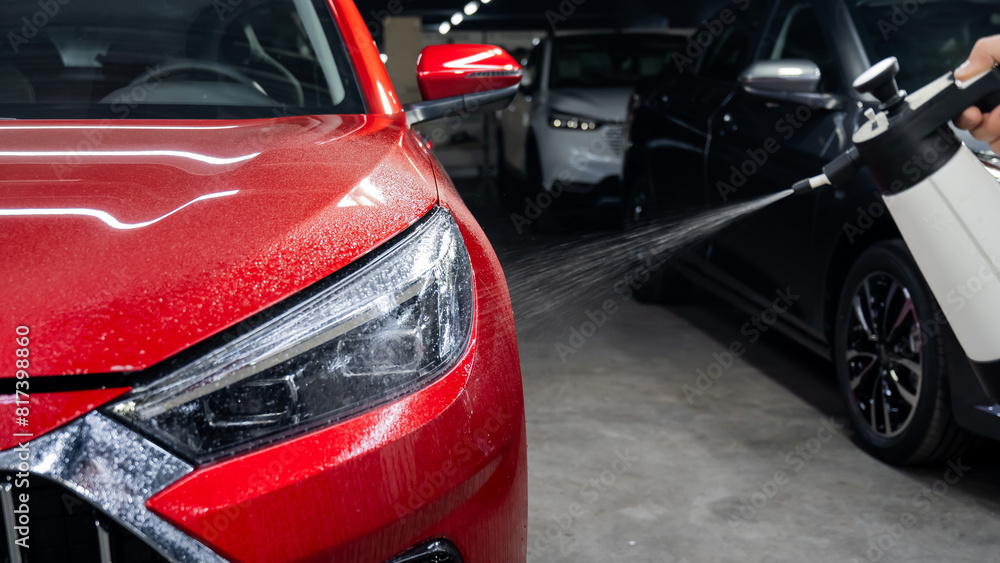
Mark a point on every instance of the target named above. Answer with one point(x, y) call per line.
point(625, 463)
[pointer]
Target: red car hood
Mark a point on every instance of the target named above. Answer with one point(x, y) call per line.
point(123, 244)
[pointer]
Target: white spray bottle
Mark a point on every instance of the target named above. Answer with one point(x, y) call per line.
point(944, 202)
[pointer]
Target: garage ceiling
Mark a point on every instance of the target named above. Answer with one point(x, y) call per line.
point(548, 14)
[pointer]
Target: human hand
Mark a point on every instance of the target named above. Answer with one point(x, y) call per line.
point(983, 126)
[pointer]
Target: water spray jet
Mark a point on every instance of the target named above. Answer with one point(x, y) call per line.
point(585, 269)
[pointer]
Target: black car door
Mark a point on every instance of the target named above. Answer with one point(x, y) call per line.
point(762, 145)
point(707, 67)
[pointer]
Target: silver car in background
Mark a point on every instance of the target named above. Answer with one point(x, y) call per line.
point(563, 133)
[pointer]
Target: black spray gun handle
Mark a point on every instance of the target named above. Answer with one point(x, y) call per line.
point(893, 134)
point(989, 103)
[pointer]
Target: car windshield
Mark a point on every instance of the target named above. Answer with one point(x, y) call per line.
point(928, 37)
point(609, 60)
point(172, 59)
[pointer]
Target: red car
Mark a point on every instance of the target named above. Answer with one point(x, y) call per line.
point(245, 315)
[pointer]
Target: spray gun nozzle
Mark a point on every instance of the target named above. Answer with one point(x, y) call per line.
point(840, 169)
point(809, 184)
point(801, 187)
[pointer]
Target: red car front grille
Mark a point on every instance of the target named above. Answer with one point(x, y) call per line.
point(63, 528)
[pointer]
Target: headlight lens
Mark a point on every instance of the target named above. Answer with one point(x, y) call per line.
point(394, 324)
point(566, 121)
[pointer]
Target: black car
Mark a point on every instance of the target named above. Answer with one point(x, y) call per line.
point(762, 97)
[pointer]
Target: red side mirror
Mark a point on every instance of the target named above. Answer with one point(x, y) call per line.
point(444, 71)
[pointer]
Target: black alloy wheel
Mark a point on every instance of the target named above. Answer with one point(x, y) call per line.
point(891, 359)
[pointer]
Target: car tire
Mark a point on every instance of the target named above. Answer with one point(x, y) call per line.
point(891, 369)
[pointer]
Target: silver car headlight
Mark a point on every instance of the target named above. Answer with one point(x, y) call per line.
point(390, 326)
point(558, 120)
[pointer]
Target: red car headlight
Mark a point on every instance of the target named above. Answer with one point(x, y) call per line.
point(390, 326)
